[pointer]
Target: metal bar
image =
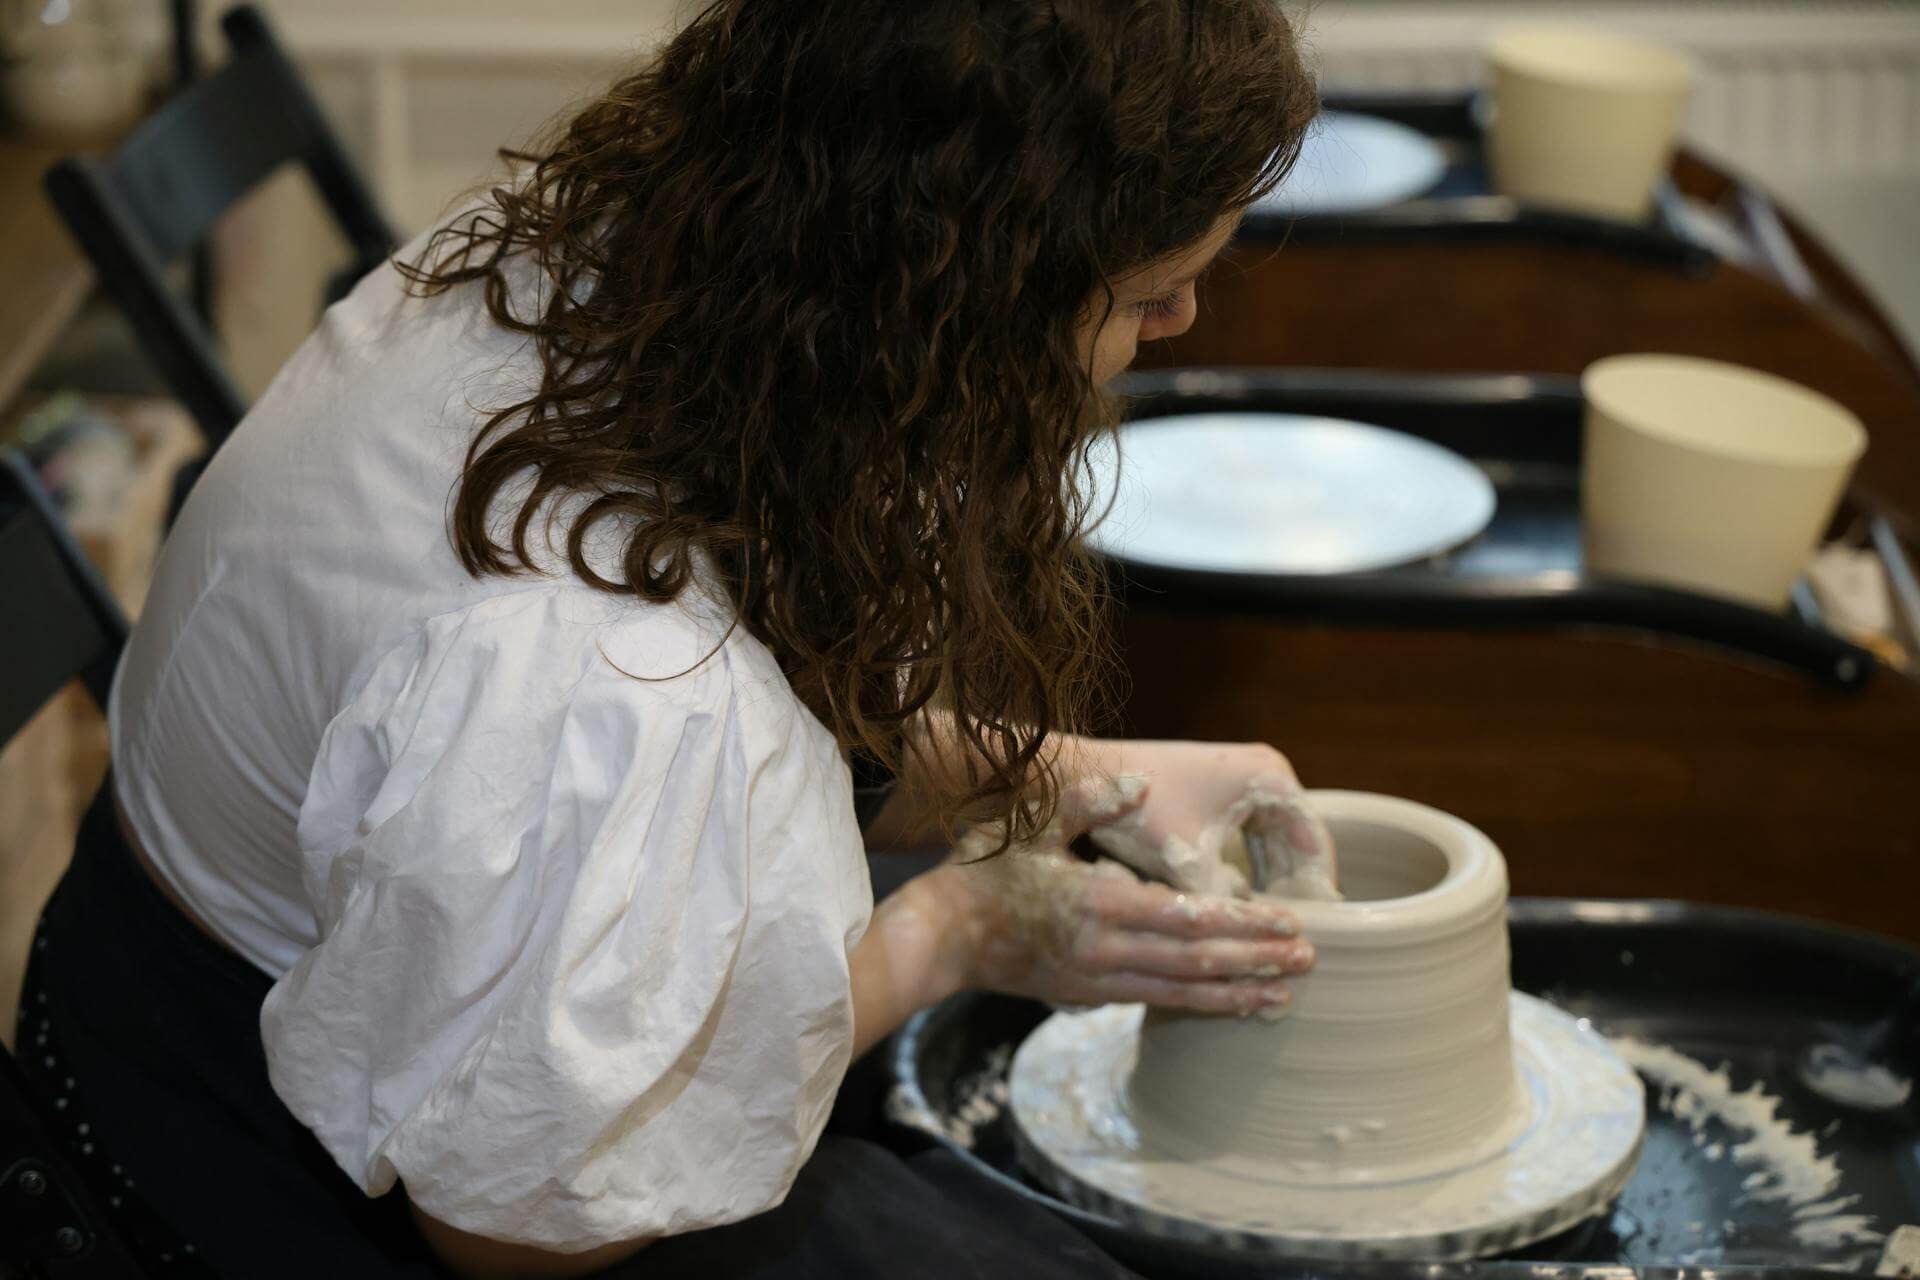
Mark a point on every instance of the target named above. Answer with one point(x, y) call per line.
point(1901, 581)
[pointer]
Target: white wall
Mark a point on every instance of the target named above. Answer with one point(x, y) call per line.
point(1819, 101)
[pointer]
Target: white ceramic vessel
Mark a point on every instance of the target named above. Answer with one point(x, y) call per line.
point(1408, 1105)
point(1708, 476)
point(1583, 119)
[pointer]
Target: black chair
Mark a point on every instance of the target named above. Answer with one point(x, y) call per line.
point(61, 624)
point(158, 196)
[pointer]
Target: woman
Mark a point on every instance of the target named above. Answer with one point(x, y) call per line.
point(488, 723)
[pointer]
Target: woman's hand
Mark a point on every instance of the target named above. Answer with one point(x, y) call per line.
point(1212, 813)
point(1037, 921)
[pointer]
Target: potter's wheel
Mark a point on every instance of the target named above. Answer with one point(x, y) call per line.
point(1560, 1156)
point(1720, 985)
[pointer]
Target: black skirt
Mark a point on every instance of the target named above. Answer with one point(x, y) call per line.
point(143, 1036)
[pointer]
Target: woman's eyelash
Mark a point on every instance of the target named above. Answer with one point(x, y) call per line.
point(1164, 305)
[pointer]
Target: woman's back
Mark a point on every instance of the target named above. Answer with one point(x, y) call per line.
point(314, 543)
point(310, 577)
point(497, 837)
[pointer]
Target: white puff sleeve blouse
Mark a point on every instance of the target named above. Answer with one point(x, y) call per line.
point(583, 963)
point(558, 887)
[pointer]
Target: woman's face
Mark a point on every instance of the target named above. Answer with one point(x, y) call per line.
point(1157, 301)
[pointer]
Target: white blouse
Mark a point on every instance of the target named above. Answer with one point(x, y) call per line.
point(558, 887)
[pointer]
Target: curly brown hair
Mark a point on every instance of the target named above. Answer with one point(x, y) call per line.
point(818, 273)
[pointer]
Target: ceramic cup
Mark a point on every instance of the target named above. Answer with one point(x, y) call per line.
point(1709, 476)
point(1583, 119)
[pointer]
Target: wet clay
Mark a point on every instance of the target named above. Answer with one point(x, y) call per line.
point(1267, 841)
point(1788, 1165)
point(1395, 1056)
point(1409, 1104)
point(1040, 884)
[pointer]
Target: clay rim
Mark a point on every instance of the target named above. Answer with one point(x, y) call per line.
point(1833, 437)
point(1475, 881)
point(1580, 57)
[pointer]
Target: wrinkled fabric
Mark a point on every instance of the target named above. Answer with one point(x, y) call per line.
point(558, 887)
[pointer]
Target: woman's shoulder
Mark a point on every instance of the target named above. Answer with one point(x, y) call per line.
point(555, 639)
point(509, 682)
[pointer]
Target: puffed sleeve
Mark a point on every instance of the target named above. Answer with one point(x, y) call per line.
point(585, 902)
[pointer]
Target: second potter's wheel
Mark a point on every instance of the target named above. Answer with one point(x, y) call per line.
point(1576, 1131)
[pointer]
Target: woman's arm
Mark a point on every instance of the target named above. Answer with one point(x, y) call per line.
point(478, 1258)
point(1033, 921)
point(1037, 921)
point(944, 757)
point(913, 955)
point(1201, 796)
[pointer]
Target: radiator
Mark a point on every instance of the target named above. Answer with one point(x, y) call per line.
point(1785, 92)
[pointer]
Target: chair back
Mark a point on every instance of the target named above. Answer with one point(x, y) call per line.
point(149, 203)
point(60, 623)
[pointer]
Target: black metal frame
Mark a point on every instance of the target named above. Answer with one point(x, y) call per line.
point(157, 197)
point(64, 624)
point(67, 624)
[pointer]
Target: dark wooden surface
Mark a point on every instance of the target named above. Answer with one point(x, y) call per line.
point(1603, 764)
point(43, 276)
point(1540, 309)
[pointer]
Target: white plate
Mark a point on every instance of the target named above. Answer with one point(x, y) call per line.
point(1352, 163)
point(1281, 494)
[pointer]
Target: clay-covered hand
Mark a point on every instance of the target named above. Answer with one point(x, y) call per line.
point(1037, 921)
point(1219, 818)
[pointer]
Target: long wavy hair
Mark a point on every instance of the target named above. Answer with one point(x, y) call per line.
point(818, 273)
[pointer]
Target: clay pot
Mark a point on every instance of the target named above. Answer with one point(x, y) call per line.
point(1395, 1058)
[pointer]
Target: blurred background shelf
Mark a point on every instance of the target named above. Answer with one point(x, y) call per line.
point(1622, 741)
point(1525, 570)
point(1609, 762)
point(1475, 282)
point(1613, 760)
